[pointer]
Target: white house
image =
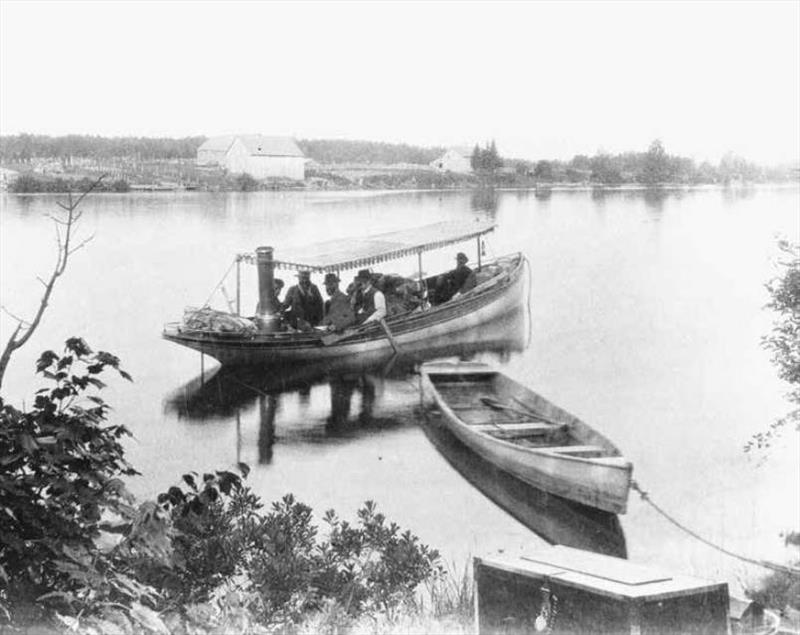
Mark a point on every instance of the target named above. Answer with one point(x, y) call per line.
point(257, 155)
point(454, 160)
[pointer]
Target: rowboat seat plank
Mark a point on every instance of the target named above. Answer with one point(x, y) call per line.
point(518, 430)
point(585, 451)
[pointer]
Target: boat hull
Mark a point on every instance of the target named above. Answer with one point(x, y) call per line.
point(601, 483)
point(413, 334)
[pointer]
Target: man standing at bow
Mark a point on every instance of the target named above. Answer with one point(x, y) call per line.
point(302, 307)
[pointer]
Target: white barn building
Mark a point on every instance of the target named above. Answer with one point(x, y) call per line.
point(257, 155)
point(454, 160)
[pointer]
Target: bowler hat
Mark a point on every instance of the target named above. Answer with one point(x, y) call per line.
point(304, 273)
point(364, 274)
point(331, 277)
point(461, 257)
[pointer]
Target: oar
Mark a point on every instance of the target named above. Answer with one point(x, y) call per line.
point(332, 338)
point(389, 335)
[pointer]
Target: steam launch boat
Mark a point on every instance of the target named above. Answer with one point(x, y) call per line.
point(263, 339)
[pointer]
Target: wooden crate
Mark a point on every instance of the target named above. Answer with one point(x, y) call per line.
point(564, 590)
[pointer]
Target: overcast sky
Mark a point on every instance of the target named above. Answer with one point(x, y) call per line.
point(546, 80)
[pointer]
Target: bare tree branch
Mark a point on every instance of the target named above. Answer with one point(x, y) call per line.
point(22, 335)
point(15, 317)
point(82, 243)
point(39, 278)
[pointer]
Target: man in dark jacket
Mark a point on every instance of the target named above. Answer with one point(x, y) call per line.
point(302, 307)
point(458, 280)
point(338, 312)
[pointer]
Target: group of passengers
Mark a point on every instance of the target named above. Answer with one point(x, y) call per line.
point(365, 299)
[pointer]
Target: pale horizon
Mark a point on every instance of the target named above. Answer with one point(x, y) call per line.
point(544, 80)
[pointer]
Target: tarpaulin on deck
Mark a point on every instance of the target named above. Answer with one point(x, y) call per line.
point(351, 253)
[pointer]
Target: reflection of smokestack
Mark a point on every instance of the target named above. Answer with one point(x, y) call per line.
point(267, 407)
point(267, 306)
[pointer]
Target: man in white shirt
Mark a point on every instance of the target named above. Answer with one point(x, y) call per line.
point(373, 308)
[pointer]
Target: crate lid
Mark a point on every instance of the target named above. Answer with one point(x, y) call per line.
point(604, 575)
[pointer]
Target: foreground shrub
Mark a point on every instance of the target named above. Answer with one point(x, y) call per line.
point(77, 551)
point(60, 469)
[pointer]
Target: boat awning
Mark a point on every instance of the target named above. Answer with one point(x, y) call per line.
point(351, 253)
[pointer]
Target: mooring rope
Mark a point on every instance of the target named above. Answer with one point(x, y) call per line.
point(219, 284)
point(761, 563)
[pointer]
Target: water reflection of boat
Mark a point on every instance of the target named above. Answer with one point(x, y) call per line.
point(554, 519)
point(499, 288)
point(528, 436)
point(387, 396)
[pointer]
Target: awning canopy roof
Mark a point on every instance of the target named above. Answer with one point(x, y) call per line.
point(351, 253)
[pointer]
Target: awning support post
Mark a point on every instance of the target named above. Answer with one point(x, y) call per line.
point(238, 285)
point(479, 253)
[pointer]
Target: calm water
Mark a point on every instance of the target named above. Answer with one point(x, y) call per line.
point(646, 317)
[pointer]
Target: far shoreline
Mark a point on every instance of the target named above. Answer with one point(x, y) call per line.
point(543, 188)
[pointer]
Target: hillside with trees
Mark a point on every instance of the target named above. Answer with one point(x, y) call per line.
point(651, 168)
point(48, 164)
point(332, 151)
point(22, 148)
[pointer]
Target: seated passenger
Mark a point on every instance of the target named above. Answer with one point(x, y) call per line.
point(338, 312)
point(373, 303)
point(355, 290)
point(302, 307)
point(459, 280)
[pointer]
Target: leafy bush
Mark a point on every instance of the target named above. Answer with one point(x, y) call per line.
point(75, 548)
point(784, 341)
point(246, 183)
point(61, 469)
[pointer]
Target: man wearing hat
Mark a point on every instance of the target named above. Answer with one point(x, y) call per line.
point(460, 276)
point(456, 281)
point(338, 312)
point(302, 306)
point(373, 303)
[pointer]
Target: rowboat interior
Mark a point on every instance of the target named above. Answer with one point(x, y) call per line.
point(490, 404)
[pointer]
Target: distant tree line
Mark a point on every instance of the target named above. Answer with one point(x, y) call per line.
point(486, 159)
point(653, 167)
point(375, 152)
point(30, 184)
point(22, 148)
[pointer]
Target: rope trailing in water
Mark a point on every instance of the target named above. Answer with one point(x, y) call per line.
point(219, 284)
point(761, 563)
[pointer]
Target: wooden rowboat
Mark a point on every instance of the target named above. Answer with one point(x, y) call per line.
point(498, 292)
point(522, 433)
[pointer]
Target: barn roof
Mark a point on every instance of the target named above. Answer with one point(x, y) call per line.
point(218, 144)
point(271, 146)
point(256, 144)
point(464, 151)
